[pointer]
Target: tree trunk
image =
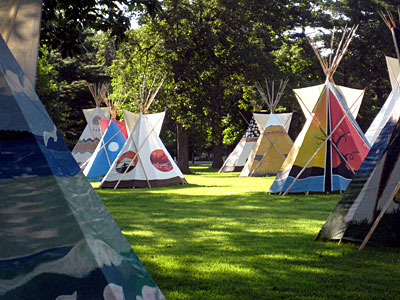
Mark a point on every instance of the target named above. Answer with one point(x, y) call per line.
point(183, 148)
point(217, 155)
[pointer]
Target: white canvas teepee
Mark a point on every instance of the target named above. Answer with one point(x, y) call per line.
point(143, 161)
point(331, 146)
point(92, 133)
point(274, 143)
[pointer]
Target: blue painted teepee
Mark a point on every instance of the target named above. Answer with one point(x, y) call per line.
point(106, 152)
point(58, 241)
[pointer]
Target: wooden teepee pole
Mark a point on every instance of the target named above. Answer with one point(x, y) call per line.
point(329, 67)
point(153, 95)
point(270, 98)
point(98, 91)
point(391, 24)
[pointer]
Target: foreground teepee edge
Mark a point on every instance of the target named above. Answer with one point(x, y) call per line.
point(57, 238)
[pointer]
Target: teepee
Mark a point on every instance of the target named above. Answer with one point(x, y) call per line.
point(238, 157)
point(390, 104)
point(111, 143)
point(58, 241)
point(92, 133)
point(143, 161)
point(274, 143)
point(369, 209)
point(331, 146)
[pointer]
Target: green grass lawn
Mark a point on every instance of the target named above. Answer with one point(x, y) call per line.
point(224, 237)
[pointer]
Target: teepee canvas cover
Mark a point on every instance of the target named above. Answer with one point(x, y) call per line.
point(237, 159)
point(143, 161)
point(330, 147)
point(91, 135)
point(106, 151)
point(58, 241)
point(274, 143)
point(271, 148)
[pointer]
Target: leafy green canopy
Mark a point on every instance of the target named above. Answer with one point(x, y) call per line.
point(215, 50)
point(63, 22)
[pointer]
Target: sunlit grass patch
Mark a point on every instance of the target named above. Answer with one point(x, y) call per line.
point(223, 237)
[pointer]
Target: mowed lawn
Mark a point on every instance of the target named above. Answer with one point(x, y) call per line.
point(224, 237)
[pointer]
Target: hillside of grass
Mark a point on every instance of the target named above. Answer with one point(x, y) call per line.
point(222, 237)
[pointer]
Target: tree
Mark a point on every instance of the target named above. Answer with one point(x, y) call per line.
point(61, 86)
point(215, 49)
point(67, 58)
point(63, 22)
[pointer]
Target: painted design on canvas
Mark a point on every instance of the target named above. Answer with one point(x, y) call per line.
point(125, 164)
point(160, 161)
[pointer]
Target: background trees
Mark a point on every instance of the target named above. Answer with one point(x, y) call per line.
point(215, 50)
point(211, 52)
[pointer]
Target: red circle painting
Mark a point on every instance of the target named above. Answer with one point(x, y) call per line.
point(125, 164)
point(160, 161)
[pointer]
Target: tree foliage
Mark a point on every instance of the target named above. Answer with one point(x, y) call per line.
point(215, 51)
point(61, 85)
point(64, 22)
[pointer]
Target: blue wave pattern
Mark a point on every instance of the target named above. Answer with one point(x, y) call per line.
point(85, 270)
point(24, 154)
